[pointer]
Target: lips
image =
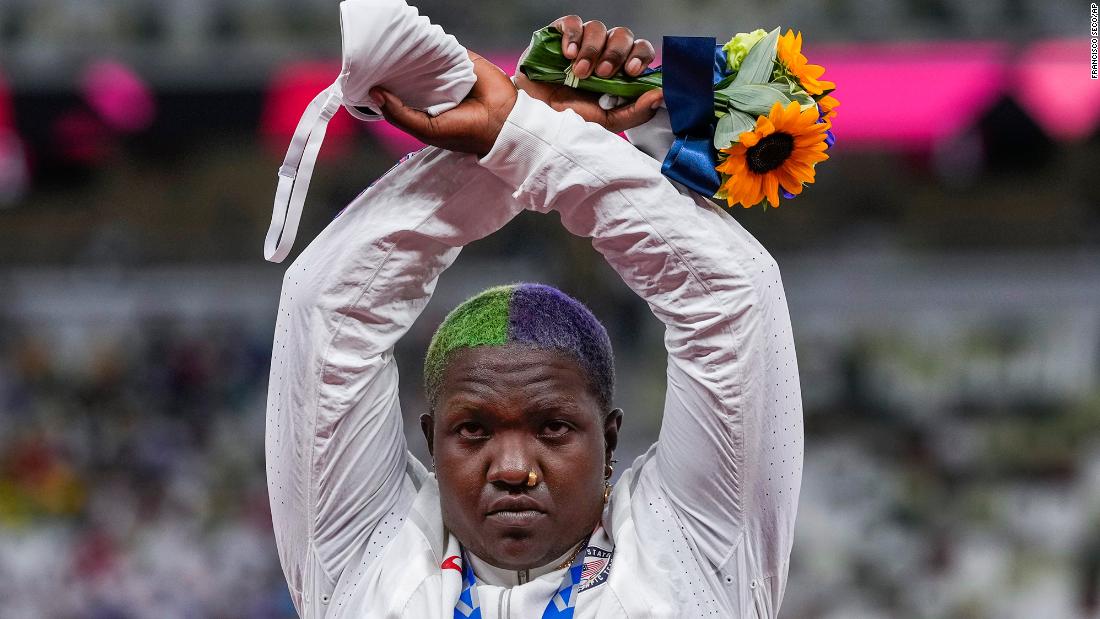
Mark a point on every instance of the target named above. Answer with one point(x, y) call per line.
point(507, 518)
point(515, 504)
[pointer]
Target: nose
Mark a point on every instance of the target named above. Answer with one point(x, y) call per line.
point(511, 462)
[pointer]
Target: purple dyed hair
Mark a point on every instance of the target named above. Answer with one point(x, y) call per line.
point(529, 314)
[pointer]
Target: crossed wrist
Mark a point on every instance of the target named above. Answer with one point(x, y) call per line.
point(523, 141)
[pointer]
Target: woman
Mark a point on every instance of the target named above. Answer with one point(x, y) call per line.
point(517, 520)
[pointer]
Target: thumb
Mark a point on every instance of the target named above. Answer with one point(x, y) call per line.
point(411, 121)
point(636, 113)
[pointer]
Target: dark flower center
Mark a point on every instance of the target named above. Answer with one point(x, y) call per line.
point(770, 152)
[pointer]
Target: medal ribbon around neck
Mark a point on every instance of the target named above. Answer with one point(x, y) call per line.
point(559, 607)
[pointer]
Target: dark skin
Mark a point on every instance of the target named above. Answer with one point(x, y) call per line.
point(505, 411)
point(473, 126)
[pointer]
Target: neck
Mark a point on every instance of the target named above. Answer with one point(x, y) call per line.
point(491, 575)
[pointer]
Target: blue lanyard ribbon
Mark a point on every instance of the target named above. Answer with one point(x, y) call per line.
point(560, 606)
point(692, 66)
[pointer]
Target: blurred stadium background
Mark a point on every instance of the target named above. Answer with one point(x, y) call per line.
point(943, 279)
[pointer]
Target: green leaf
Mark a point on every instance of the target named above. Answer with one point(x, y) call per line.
point(758, 64)
point(794, 92)
point(544, 62)
point(755, 99)
point(730, 127)
point(726, 82)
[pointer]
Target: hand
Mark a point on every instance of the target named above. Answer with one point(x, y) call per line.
point(592, 44)
point(470, 127)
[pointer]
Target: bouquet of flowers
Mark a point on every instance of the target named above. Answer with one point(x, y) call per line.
point(752, 117)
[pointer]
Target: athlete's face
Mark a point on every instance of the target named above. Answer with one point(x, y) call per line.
point(506, 411)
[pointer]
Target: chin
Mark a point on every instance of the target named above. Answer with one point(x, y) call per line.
point(517, 553)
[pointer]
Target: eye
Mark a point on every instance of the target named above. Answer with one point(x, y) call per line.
point(555, 429)
point(471, 430)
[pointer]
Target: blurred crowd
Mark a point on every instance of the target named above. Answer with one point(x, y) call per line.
point(952, 465)
point(131, 483)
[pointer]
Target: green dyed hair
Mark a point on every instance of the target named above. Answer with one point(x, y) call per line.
point(530, 314)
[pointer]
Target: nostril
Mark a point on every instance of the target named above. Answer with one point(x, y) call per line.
point(513, 477)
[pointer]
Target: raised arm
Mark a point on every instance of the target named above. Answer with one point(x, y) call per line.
point(729, 455)
point(336, 456)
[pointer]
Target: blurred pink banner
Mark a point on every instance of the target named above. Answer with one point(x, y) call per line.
point(903, 96)
point(1052, 83)
point(910, 96)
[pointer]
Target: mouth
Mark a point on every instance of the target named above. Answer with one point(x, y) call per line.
point(515, 518)
point(515, 511)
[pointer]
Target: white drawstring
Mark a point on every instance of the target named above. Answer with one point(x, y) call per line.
point(296, 171)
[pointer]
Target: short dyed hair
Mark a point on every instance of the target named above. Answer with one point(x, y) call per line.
point(533, 315)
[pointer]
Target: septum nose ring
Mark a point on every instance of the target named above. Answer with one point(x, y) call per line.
point(532, 479)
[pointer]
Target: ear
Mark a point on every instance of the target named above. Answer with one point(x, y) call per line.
point(427, 426)
point(611, 424)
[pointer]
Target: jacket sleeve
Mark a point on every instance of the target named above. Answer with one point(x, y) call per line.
point(337, 463)
point(729, 453)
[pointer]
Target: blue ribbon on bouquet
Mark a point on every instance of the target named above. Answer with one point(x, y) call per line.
point(691, 67)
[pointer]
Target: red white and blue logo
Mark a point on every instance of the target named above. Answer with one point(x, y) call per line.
point(597, 567)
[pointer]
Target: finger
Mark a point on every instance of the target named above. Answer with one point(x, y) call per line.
point(585, 104)
point(571, 28)
point(592, 42)
point(620, 41)
point(639, 112)
point(414, 122)
point(641, 56)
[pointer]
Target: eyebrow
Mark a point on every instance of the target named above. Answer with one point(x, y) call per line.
point(463, 403)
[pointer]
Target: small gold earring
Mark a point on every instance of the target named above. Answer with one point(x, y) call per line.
point(608, 471)
point(606, 491)
point(532, 479)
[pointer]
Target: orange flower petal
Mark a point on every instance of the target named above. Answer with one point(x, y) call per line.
point(764, 125)
point(801, 171)
point(813, 70)
point(792, 111)
point(771, 188)
point(810, 157)
point(828, 103)
point(808, 116)
point(757, 193)
point(789, 182)
point(744, 188)
point(810, 142)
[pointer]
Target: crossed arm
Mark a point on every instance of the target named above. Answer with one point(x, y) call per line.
point(337, 460)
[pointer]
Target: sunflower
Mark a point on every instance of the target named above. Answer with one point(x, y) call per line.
point(789, 50)
point(781, 150)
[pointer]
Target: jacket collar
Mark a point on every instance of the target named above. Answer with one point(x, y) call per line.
point(500, 577)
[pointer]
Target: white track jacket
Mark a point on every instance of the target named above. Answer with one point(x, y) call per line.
point(699, 526)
